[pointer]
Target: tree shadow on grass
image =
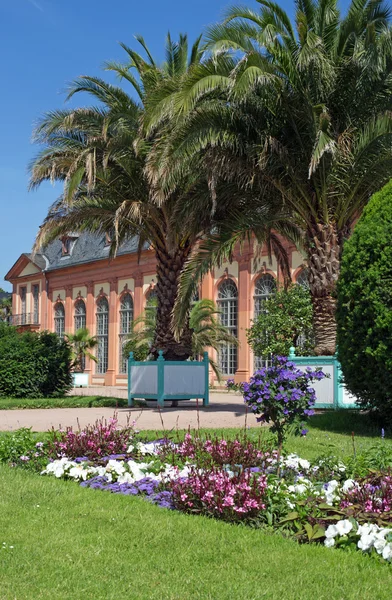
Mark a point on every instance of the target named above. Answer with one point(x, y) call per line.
point(348, 421)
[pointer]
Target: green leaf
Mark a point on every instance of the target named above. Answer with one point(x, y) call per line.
point(290, 517)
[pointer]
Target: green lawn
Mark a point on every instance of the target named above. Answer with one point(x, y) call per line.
point(67, 402)
point(80, 543)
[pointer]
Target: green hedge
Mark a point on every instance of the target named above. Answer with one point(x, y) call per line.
point(364, 314)
point(33, 365)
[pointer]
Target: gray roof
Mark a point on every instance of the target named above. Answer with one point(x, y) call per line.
point(85, 248)
point(38, 260)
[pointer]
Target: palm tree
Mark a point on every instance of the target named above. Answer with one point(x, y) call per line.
point(207, 332)
point(81, 343)
point(303, 111)
point(102, 156)
point(97, 154)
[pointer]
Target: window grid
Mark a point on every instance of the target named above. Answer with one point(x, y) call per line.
point(23, 291)
point(228, 306)
point(80, 323)
point(265, 287)
point(126, 319)
point(59, 320)
point(102, 319)
point(303, 278)
point(80, 315)
point(36, 304)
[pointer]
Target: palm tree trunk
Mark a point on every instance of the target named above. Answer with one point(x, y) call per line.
point(169, 268)
point(324, 252)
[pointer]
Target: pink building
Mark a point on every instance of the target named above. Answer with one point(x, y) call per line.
point(73, 284)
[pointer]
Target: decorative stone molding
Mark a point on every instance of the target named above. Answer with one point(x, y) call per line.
point(151, 286)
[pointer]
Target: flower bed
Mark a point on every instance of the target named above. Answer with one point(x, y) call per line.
point(342, 505)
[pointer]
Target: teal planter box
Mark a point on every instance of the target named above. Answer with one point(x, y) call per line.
point(80, 379)
point(330, 392)
point(168, 380)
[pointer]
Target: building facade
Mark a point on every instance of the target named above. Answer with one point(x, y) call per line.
point(74, 284)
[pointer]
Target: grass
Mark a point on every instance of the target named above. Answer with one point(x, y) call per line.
point(67, 402)
point(72, 543)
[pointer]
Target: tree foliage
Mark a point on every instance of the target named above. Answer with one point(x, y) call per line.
point(33, 365)
point(284, 321)
point(364, 313)
point(299, 109)
point(81, 343)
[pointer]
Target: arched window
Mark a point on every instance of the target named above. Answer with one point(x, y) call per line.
point(228, 306)
point(102, 316)
point(151, 301)
point(80, 315)
point(126, 318)
point(59, 319)
point(303, 278)
point(265, 287)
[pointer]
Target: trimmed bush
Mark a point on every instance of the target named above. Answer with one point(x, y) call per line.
point(364, 313)
point(33, 365)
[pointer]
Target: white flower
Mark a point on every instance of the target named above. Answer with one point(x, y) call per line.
point(367, 529)
point(126, 478)
point(78, 472)
point(149, 448)
point(379, 545)
point(366, 542)
point(349, 484)
point(331, 532)
point(387, 552)
point(116, 467)
point(329, 542)
point(344, 526)
point(295, 462)
point(330, 491)
point(131, 447)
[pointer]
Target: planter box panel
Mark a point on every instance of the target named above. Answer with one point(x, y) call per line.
point(144, 379)
point(348, 400)
point(184, 380)
point(330, 392)
point(325, 388)
point(80, 379)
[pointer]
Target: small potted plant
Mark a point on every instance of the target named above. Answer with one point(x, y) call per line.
point(81, 343)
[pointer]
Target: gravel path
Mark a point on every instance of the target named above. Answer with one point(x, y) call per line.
point(224, 411)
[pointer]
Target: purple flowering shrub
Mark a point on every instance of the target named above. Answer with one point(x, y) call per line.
point(220, 494)
point(282, 396)
point(103, 438)
point(370, 498)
